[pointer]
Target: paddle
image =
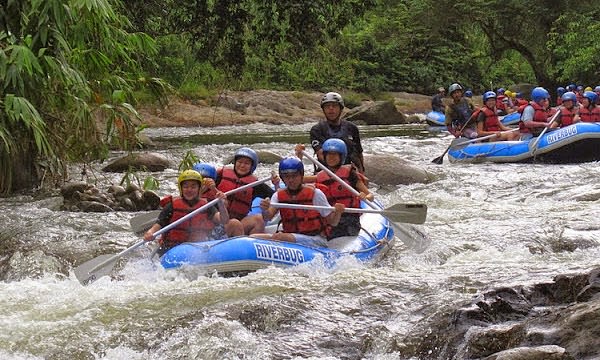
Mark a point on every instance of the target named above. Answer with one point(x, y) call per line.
point(372, 205)
point(537, 140)
point(102, 265)
point(440, 159)
point(143, 222)
point(406, 213)
point(461, 142)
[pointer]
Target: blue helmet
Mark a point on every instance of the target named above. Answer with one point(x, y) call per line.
point(206, 170)
point(488, 95)
point(597, 89)
point(591, 96)
point(519, 95)
point(291, 165)
point(571, 87)
point(336, 146)
point(501, 91)
point(249, 153)
point(569, 96)
point(468, 93)
point(539, 93)
point(560, 90)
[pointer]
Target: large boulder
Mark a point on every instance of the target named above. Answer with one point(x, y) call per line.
point(145, 161)
point(393, 170)
point(376, 113)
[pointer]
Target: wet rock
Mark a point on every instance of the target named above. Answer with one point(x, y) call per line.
point(546, 352)
point(116, 198)
point(145, 161)
point(265, 157)
point(554, 320)
point(376, 113)
point(94, 206)
point(393, 170)
point(69, 189)
point(33, 264)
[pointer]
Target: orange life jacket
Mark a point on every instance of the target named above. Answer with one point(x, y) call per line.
point(308, 222)
point(239, 204)
point(195, 229)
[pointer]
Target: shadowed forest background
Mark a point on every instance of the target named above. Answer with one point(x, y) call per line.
point(73, 71)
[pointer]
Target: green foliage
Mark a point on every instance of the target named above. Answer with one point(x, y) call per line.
point(131, 177)
point(65, 67)
point(188, 161)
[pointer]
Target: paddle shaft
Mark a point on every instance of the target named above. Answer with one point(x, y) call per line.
point(440, 159)
point(484, 137)
point(179, 221)
point(318, 207)
point(537, 140)
point(338, 179)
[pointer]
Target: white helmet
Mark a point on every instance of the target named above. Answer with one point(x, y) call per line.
point(332, 97)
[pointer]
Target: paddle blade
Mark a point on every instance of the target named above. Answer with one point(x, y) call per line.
point(438, 160)
point(143, 222)
point(406, 213)
point(86, 272)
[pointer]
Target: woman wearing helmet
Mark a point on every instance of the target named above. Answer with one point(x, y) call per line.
point(458, 114)
point(334, 126)
point(334, 151)
point(589, 111)
point(245, 161)
point(534, 116)
point(306, 227)
point(487, 120)
point(199, 227)
point(568, 113)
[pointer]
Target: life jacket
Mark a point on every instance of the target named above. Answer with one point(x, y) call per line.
point(195, 229)
point(308, 222)
point(239, 204)
point(491, 122)
point(539, 114)
point(521, 102)
point(336, 192)
point(566, 116)
point(500, 105)
point(588, 115)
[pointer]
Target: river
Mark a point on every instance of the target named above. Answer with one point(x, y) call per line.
point(489, 225)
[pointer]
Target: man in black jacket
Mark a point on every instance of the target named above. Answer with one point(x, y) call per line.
point(334, 127)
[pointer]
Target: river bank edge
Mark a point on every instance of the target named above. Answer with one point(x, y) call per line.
point(261, 106)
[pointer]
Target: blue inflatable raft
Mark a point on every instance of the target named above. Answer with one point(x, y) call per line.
point(246, 254)
point(435, 118)
point(576, 143)
point(511, 119)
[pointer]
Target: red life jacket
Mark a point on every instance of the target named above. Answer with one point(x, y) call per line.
point(521, 102)
point(195, 229)
point(559, 101)
point(308, 222)
point(336, 192)
point(491, 122)
point(239, 204)
point(588, 115)
point(566, 116)
point(500, 105)
point(539, 114)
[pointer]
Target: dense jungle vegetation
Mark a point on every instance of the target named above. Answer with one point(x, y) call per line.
point(73, 71)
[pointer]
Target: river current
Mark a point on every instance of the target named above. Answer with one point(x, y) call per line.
point(489, 225)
